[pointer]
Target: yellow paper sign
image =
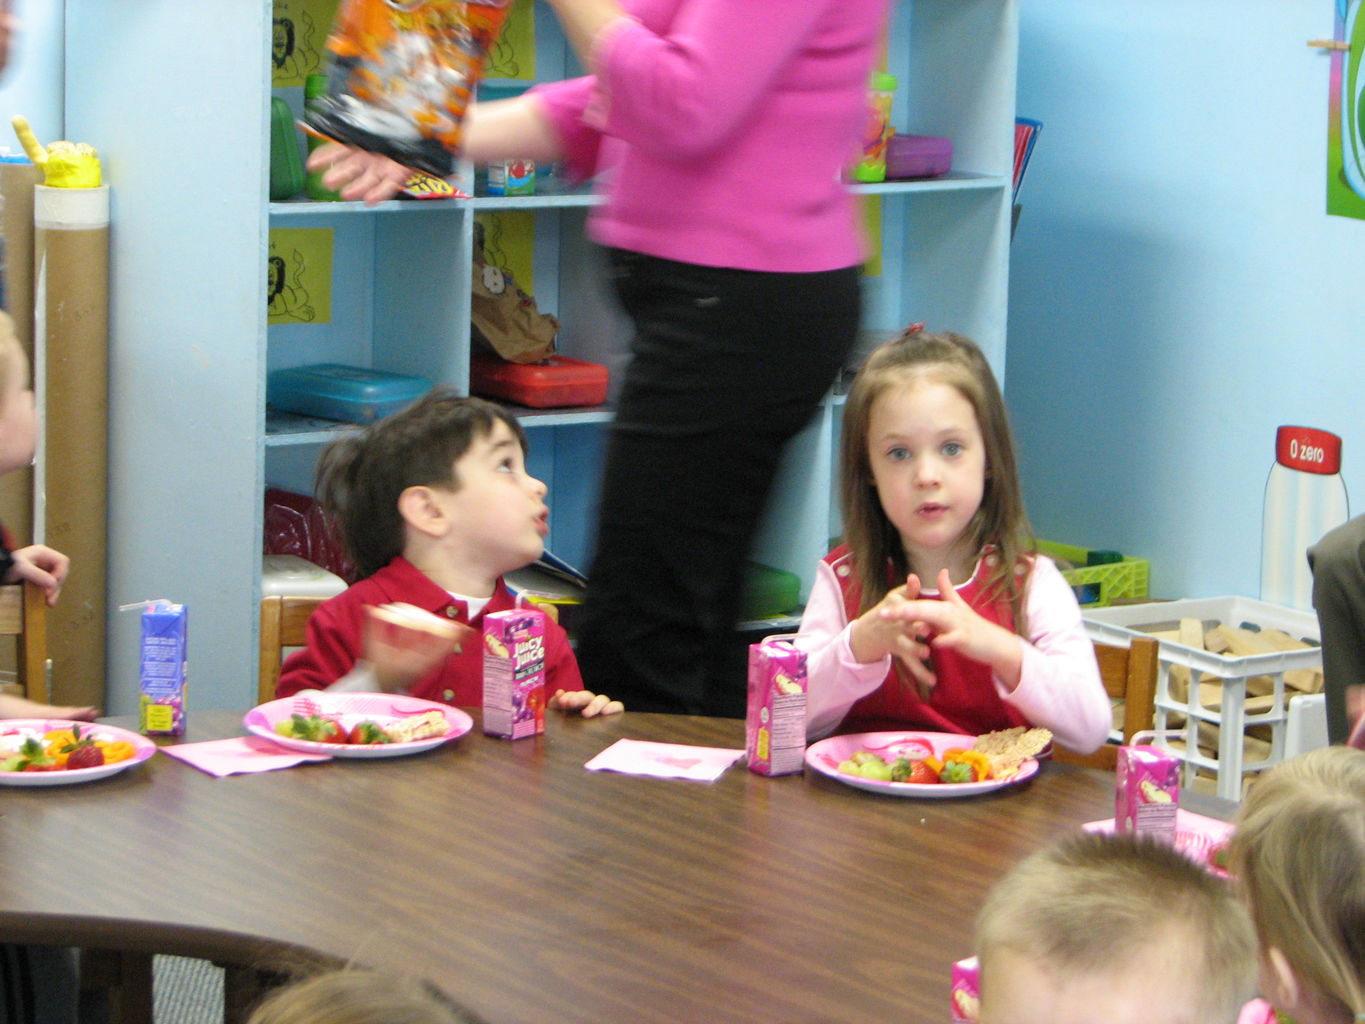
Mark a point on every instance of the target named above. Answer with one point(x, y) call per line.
point(298, 39)
point(514, 54)
point(299, 276)
point(508, 242)
point(872, 234)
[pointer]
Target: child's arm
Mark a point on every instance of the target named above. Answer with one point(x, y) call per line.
point(836, 677)
point(563, 681)
point(22, 707)
point(334, 635)
point(41, 565)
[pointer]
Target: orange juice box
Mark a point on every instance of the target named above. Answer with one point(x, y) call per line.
point(514, 673)
point(965, 994)
point(1147, 788)
point(775, 722)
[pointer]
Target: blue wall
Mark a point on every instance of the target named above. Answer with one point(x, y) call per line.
point(32, 83)
point(1177, 290)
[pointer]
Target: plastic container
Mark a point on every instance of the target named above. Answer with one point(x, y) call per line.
point(335, 392)
point(1098, 584)
point(286, 163)
point(871, 164)
point(292, 576)
point(1304, 498)
point(315, 86)
point(1118, 625)
point(769, 592)
point(918, 156)
point(552, 383)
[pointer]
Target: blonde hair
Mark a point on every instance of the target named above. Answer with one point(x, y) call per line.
point(1094, 902)
point(1299, 855)
point(956, 361)
point(355, 995)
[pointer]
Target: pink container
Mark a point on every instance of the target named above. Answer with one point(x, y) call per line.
point(1147, 789)
point(966, 991)
point(775, 723)
point(918, 156)
point(514, 673)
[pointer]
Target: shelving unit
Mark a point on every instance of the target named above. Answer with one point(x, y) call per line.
point(177, 99)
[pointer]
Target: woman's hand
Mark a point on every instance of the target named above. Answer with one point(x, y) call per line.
point(591, 704)
point(358, 173)
point(40, 564)
point(952, 624)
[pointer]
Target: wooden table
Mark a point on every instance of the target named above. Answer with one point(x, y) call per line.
point(531, 889)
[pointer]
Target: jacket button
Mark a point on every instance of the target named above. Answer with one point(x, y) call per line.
point(452, 612)
point(447, 695)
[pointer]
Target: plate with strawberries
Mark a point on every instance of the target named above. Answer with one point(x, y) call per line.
point(929, 765)
point(357, 724)
point(56, 752)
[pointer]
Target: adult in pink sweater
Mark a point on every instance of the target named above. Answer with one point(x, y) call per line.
point(717, 131)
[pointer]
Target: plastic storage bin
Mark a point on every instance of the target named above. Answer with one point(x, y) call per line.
point(550, 384)
point(1099, 585)
point(1118, 625)
point(769, 592)
point(336, 392)
point(292, 576)
point(918, 156)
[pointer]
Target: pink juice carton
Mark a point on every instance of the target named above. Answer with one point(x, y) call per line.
point(514, 673)
point(1147, 788)
point(775, 722)
point(965, 994)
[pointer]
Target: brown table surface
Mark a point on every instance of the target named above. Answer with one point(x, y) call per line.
point(534, 890)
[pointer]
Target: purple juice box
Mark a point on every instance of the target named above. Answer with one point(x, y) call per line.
point(965, 994)
point(775, 722)
point(514, 673)
point(163, 676)
point(1147, 788)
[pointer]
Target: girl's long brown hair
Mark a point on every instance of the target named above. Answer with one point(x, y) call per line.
point(875, 544)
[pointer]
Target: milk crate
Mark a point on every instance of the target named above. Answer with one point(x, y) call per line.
point(1118, 625)
point(1098, 586)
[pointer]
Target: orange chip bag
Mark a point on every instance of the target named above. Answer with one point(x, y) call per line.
point(401, 74)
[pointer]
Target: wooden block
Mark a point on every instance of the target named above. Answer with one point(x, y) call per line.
point(1216, 640)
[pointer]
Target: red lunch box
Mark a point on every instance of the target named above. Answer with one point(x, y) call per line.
point(549, 384)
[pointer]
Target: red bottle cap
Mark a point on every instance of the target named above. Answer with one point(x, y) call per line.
point(1308, 450)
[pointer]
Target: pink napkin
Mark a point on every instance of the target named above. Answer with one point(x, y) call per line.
point(238, 755)
point(665, 760)
point(1196, 835)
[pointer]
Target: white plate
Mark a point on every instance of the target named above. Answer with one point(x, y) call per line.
point(826, 755)
point(143, 748)
point(351, 709)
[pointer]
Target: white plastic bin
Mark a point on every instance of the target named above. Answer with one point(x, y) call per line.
point(1119, 624)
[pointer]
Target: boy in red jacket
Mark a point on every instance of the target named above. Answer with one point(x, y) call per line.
point(434, 505)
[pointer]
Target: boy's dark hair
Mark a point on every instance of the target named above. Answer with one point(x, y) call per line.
point(360, 476)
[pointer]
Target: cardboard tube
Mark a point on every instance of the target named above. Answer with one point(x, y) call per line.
point(71, 381)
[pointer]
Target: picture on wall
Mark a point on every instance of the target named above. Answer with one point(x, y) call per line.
point(1346, 114)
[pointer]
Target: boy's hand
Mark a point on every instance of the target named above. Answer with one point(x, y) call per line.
point(882, 630)
point(592, 704)
point(357, 173)
point(40, 564)
point(954, 625)
point(402, 654)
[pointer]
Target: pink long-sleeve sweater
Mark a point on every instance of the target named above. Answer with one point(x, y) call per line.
point(719, 129)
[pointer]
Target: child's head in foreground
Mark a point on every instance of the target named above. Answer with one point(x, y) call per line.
point(380, 485)
point(358, 996)
point(918, 362)
point(18, 420)
point(1114, 928)
point(1299, 856)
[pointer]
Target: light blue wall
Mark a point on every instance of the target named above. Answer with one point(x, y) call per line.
point(1177, 290)
point(32, 83)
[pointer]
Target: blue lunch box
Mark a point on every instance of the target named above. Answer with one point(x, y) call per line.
point(336, 392)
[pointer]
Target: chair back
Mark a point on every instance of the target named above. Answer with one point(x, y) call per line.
point(23, 614)
point(1129, 674)
point(284, 621)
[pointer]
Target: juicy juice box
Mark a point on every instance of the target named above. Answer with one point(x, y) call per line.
point(965, 994)
point(1147, 790)
point(514, 673)
point(775, 722)
point(163, 679)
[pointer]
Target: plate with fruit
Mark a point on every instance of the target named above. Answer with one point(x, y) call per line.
point(932, 765)
point(55, 752)
point(357, 724)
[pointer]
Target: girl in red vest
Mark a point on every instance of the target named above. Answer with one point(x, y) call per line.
point(937, 613)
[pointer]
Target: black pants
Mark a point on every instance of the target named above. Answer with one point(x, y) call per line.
point(1338, 564)
point(727, 366)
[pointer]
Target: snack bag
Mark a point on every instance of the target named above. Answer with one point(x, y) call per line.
point(514, 673)
point(400, 76)
point(775, 722)
point(1147, 789)
point(965, 995)
point(161, 704)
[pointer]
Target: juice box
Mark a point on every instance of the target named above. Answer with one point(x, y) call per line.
point(965, 995)
point(775, 722)
point(163, 678)
point(512, 178)
point(1147, 789)
point(514, 673)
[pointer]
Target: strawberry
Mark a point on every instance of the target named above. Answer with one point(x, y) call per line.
point(921, 773)
point(83, 753)
point(367, 733)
